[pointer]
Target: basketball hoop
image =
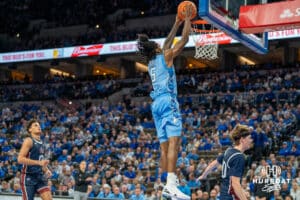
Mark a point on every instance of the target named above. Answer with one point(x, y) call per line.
point(205, 38)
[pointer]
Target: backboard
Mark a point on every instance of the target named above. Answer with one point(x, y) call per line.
point(224, 15)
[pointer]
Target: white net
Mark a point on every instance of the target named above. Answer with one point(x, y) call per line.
point(206, 44)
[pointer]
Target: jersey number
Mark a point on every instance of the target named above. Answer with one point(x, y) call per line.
point(152, 74)
point(224, 169)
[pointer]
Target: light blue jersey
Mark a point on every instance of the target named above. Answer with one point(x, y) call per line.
point(165, 107)
point(163, 77)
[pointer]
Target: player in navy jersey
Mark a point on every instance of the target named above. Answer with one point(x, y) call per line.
point(34, 172)
point(233, 164)
point(165, 107)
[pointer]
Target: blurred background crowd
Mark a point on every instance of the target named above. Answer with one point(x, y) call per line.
point(117, 138)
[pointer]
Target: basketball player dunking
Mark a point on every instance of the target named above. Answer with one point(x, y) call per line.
point(165, 107)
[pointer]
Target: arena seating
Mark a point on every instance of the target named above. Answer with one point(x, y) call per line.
point(112, 137)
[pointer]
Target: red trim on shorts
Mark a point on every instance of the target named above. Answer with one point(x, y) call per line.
point(43, 189)
point(24, 193)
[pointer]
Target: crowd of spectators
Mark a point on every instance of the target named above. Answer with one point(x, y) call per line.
point(61, 87)
point(19, 17)
point(267, 83)
point(119, 142)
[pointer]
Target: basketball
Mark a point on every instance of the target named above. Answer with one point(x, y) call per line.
point(184, 5)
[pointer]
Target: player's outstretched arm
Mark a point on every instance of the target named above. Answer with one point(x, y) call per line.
point(171, 53)
point(178, 47)
point(214, 164)
point(169, 40)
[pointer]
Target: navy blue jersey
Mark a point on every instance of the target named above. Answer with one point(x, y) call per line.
point(233, 162)
point(35, 153)
point(163, 77)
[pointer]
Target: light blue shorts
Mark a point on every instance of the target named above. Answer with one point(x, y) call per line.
point(167, 118)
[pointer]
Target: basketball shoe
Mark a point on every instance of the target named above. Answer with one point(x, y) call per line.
point(172, 192)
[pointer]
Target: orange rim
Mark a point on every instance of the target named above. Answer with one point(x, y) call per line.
point(199, 21)
point(205, 31)
point(203, 22)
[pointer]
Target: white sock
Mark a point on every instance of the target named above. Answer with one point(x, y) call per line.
point(171, 178)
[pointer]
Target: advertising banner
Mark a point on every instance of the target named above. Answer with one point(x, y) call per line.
point(122, 47)
point(270, 17)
